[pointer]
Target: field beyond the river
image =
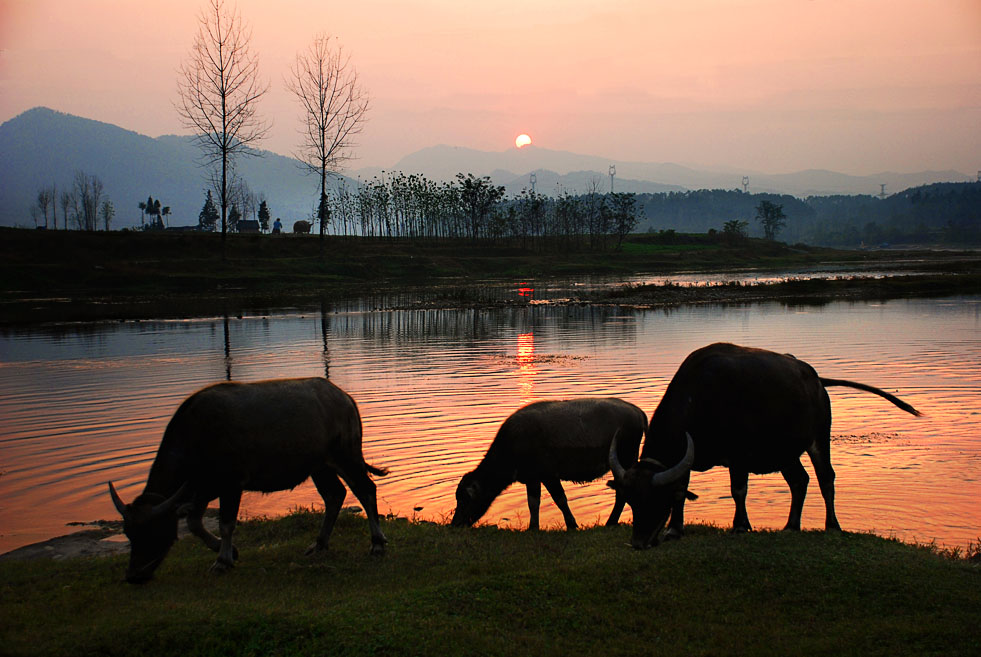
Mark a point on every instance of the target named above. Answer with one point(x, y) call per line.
point(70, 275)
point(488, 591)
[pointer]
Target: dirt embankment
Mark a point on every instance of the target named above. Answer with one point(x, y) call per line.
point(98, 539)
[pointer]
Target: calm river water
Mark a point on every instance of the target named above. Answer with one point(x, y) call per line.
point(81, 404)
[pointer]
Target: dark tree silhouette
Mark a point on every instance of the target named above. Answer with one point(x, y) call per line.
point(208, 218)
point(264, 215)
point(478, 196)
point(772, 217)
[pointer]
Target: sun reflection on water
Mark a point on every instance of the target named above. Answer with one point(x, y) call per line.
point(527, 370)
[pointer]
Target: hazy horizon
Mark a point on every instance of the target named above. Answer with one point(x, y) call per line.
point(762, 85)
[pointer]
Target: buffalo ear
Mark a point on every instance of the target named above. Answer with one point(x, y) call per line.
point(690, 495)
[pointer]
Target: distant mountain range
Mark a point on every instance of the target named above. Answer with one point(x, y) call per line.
point(573, 172)
point(42, 147)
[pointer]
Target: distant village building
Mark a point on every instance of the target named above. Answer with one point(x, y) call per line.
point(248, 226)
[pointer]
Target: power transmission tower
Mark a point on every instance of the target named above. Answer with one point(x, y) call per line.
point(613, 172)
point(882, 190)
point(533, 179)
point(745, 184)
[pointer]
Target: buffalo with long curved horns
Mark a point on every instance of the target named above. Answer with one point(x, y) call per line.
point(746, 409)
point(232, 437)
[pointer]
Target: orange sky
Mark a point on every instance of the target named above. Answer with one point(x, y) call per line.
point(769, 85)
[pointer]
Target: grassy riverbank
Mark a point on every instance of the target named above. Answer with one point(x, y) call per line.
point(442, 591)
point(46, 275)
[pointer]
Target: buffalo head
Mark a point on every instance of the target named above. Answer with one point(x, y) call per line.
point(473, 498)
point(151, 529)
point(651, 490)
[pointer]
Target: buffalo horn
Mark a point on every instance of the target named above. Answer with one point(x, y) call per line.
point(678, 470)
point(168, 504)
point(615, 466)
point(120, 505)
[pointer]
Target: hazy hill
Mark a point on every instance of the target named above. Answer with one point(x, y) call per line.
point(42, 147)
point(443, 162)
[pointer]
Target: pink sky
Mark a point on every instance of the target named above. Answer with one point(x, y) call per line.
point(769, 85)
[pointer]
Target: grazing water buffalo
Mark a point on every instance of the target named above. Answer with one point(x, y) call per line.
point(746, 409)
point(550, 441)
point(302, 226)
point(233, 437)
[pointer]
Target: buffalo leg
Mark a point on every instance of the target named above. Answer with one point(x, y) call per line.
point(333, 492)
point(227, 516)
point(738, 485)
point(676, 526)
point(821, 459)
point(534, 489)
point(554, 488)
point(797, 479)
point(614, 518)
point(364, 489)
point(197, 528)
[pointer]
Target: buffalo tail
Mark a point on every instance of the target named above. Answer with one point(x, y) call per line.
point(882, 393)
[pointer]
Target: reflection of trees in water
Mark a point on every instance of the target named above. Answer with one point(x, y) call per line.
point(472, 325)
point(238, 340)
point(324, 331)
point(324, 321)
point(228, 349)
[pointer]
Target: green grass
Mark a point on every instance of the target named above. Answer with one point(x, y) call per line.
point(485, 591)
point(641, 248)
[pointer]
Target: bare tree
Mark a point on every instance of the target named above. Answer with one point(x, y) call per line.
point(334, 108)
point(219, 90)
point(45, 199)
point(86, 198)
point(94, 203)
point(65, 201)
point(107, 212)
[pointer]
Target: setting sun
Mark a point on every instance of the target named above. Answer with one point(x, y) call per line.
point(522, 140)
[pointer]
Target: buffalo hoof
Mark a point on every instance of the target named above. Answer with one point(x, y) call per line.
point(377, 549)
point(316, 548)
point(220, 566)
point(673, 534)
point(742, 529)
